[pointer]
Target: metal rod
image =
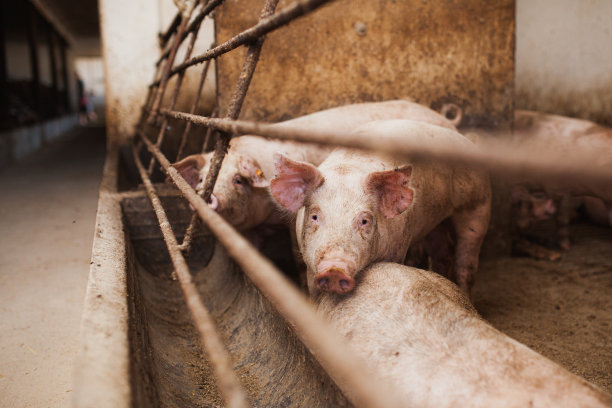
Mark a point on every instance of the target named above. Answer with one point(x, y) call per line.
point(348, 370)
point(177, 87)
point(164, 37)
point(192, 227)
point(233, 111)
point(285, 16)
point(219, 359)
point(192, 110)
point(159, 95)
point(498, 156)
point(193, 25)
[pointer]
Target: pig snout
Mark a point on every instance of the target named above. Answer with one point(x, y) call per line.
point(213, 202)
point(334, 278)
point(546, 210)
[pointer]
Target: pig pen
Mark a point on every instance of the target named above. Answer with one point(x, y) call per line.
point(202, 329)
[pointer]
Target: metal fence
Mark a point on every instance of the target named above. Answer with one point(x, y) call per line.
point(348, 372)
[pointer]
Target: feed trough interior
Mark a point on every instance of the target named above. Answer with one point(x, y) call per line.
point(178, 282)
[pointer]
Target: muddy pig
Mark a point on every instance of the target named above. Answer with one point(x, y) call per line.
point(241, 192)
point(420, 333)
point(533, 201)
point(357, 208)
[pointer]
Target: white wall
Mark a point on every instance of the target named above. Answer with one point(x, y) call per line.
point(564, 57)
point(130, 48)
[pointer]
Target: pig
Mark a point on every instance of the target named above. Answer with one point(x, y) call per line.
point(241, 193)
point(533, 201)
point(358, 207)
point(420, 333)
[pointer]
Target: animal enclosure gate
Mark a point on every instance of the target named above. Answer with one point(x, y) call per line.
point(326, 54)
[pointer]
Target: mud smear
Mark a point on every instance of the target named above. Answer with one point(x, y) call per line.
point(561, 309)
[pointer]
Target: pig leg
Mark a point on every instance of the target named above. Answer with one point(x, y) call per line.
point(439, 245)
point(470, 229)
point(562, 221)
point(521, 246)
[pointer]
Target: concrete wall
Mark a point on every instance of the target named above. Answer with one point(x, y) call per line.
point(130, 49)
point(564, 57)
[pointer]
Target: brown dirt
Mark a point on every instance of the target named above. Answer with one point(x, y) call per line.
point(561, 309)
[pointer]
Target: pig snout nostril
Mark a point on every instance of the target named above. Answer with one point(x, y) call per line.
point(212, 202)
point(344, 284)
point(323, 282)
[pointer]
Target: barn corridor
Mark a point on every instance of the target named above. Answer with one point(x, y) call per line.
point(47, 215)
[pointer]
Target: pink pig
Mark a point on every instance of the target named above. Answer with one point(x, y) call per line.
point(358, 208)
point(241, 192)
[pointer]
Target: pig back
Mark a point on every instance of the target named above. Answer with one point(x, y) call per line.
point(570, 137)
point(419, 332)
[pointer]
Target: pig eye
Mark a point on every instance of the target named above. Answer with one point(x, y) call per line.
point(364, 221)
point(238, 179)
point(315, 217)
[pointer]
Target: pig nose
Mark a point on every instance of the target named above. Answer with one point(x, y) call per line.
point(213, 202)
point(334, 280)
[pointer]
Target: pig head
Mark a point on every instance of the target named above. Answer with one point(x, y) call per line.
point(241, 191)
point(340, 229)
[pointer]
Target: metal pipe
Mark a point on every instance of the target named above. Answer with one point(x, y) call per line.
point(233, 111)
point(497, 155)
point(285, 16)
point(192, 110)
point(177, 87)
point(348, 371)
point(218, 357)
point(194, 24)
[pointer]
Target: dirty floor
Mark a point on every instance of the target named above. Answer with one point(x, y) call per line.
point(47, 213)
point(561, 309)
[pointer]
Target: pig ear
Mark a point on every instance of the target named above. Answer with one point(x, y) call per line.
point(519, 193)
point(293, 179)
point(250, 169)
point(190, 168)
point(392, 189)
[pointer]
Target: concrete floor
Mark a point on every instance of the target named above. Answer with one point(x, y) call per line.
point(47, 213)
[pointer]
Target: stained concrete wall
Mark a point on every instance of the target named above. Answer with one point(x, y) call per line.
point(564, 57)
point(130, 49)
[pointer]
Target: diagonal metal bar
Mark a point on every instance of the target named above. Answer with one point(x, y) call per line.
point(496, 154)
point(348, 371)
point(177, 87)
point(210, 6)
point(233, 111)
point(179, 154)
point(288, 14)
point(159, 95)
point(218, 357)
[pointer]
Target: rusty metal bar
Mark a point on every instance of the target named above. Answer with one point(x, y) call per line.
point(233, 111)
point(285, 16)
point(193, 226)
point(218, 357)
point(496, 155)
point(177, 87)
point(159, 95)
point(192, 110)
point(210, 6)
point(164, 37)
point(348, 371)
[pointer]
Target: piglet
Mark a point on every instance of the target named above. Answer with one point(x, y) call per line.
point(421, 334)
point(533, 201)
point(357, 208)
